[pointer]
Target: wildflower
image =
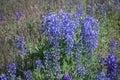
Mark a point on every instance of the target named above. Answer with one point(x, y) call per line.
point(89, 34)
point(111, 65)
point(18, 14)
point(20, 45)
point(112, 45)
point(47, 64)
point(89, 10)
point(11, 70)
point(3, 78)
point(78, 13)
point(80, 71)
point(1, 17)
point(55, 62)
point(27, 75)
point(116, 2)
point(101, 76)
point(66, 77)
point(100, 60)
point(38, 64)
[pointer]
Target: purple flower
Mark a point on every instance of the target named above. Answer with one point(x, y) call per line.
point(66, 77)
point(38, 64)
point(11, 70)
point(101, 76)
point(80, 71)
point(78, 13)
point(3, 78)
point(112, 45)
point(89, 34)
point(111, 66)
point(27, 75)
point(55, 62)
point(1, 17)
point(20, 45)
point(100, 60)
point(18, 14)
point(47, 63)
point(89, 10)
point(116, 2)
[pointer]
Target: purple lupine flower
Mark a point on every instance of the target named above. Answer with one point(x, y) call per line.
point(68, 28)
point(18, 14)
point(27, 75)
point(116, 2)
point(66, 77)
point(101, 9)
point(18, 42)
point(77, 55)
point(3, 78)
point(101, 76)
point(38, 64)
point(1, 17)
point(100, 60)
point(112, 45)
point(111, 66)
point(89, 10)
point(47, 63)
point(51, 27)
point(78, 13)
point(20, 45)
point(11, 70)
point(89, 34)
point(80, 71)
point(55, 62)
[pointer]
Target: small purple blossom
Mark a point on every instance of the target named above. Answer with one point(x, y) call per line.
point(38, 64)
point(20, 45)
point(80, 71)
point(78, 13)
point(111, 66)
point(1, 17)
point(66, 77)
point(89, 10)
point(11, 70)
point(27, 75)
point(3, 78)
point(18, 14)
point(101, 76)
point(55, 62)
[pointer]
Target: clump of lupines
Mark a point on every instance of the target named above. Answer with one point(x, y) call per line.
point(101, 76)
point(66, 77)
point(11, 71)
point(89, 34)
point(27, 75)
point(101, 61)
point(20, 45)
point(38, 64)
point(3, 78)
point(59, 26)
point(111, 66)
